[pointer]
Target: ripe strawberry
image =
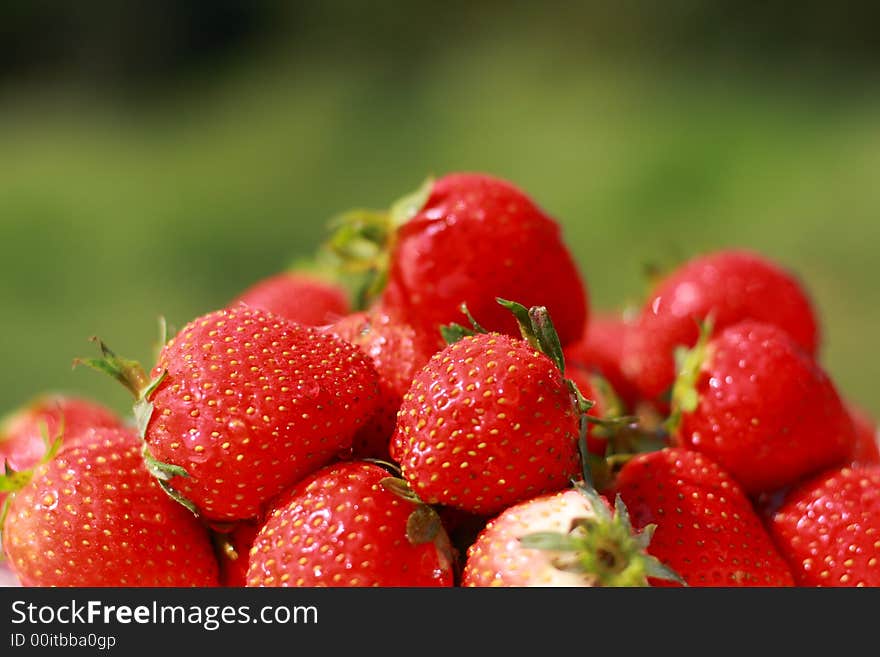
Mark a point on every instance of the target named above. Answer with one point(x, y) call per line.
point(600, 350)
point(730, 285)
point(300, 297)
point(93, 516)
point(752, 400)
point(828, 528)
point(569, 538)
point(350, 524)
point(235, 546)
point(866, 449)
point(397, 354)
point(707, 530)
point(23, 435)
point(465, 239)
point(489, 421)
point(243, 404)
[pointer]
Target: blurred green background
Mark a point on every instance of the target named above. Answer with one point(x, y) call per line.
point(158, 157)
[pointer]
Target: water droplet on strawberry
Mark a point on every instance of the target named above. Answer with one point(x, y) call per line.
point(50, 500)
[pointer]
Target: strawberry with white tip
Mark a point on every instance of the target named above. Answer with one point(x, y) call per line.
point(569, 538)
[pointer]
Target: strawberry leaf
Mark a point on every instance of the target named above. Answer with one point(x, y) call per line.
point(452, 333)
point(400, 488)
point(162, 471)
point(549, 541)
point(178, 497)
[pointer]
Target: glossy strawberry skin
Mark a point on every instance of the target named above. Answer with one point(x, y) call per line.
point(767, 412)
point(22, 442)
point(600, 350)
point(250, 404)
point(397, 353)
point(866, 450)
point(489, 421)
point(733, 286)
point(341, 527)
point(829, 528)
point(23, 434)
point(95, 517)
point(496, 558)
point(298, 297)
point(475, 239)
point(707, 529)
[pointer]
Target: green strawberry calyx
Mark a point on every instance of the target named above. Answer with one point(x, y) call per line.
point(135, 379)
point(362, 240)
point(603, 548)
point(453, 332)
point(684, 397)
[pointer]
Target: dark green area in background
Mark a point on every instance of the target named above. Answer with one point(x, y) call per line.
point(137, 181)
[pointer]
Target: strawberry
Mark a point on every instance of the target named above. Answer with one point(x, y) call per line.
point(866, 449)
point(350, 524)
point(397, 354)
point(730, 285)
point(235, 546)
point(490, 420)
point(242, 404)
point(465, 239)
point(300, 297)
point(707, 530)
point(24, 434)
point(568, 538)
point(752, 400)
point(828, 528)
point(600, 350)
point(93, 516)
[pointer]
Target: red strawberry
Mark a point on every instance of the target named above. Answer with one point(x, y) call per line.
point(707, 530)
point(467, 238)
point(489, 421)
point(23, 434)
point(243, 404)
point(866, 450)
point(235, 546)
point(755, 402)
point(829, 528)
point(397, 353)
point(569, 538)
point(731, 286)
point(93, 516)
point(300, 297)
point(600, 349)
point(350, 524)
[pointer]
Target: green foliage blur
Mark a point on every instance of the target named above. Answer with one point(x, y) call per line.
point(158, 161)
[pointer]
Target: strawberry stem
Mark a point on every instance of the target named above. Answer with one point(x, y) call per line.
point(128, 372)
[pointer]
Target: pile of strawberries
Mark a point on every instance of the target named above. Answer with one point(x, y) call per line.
point(448, 412)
